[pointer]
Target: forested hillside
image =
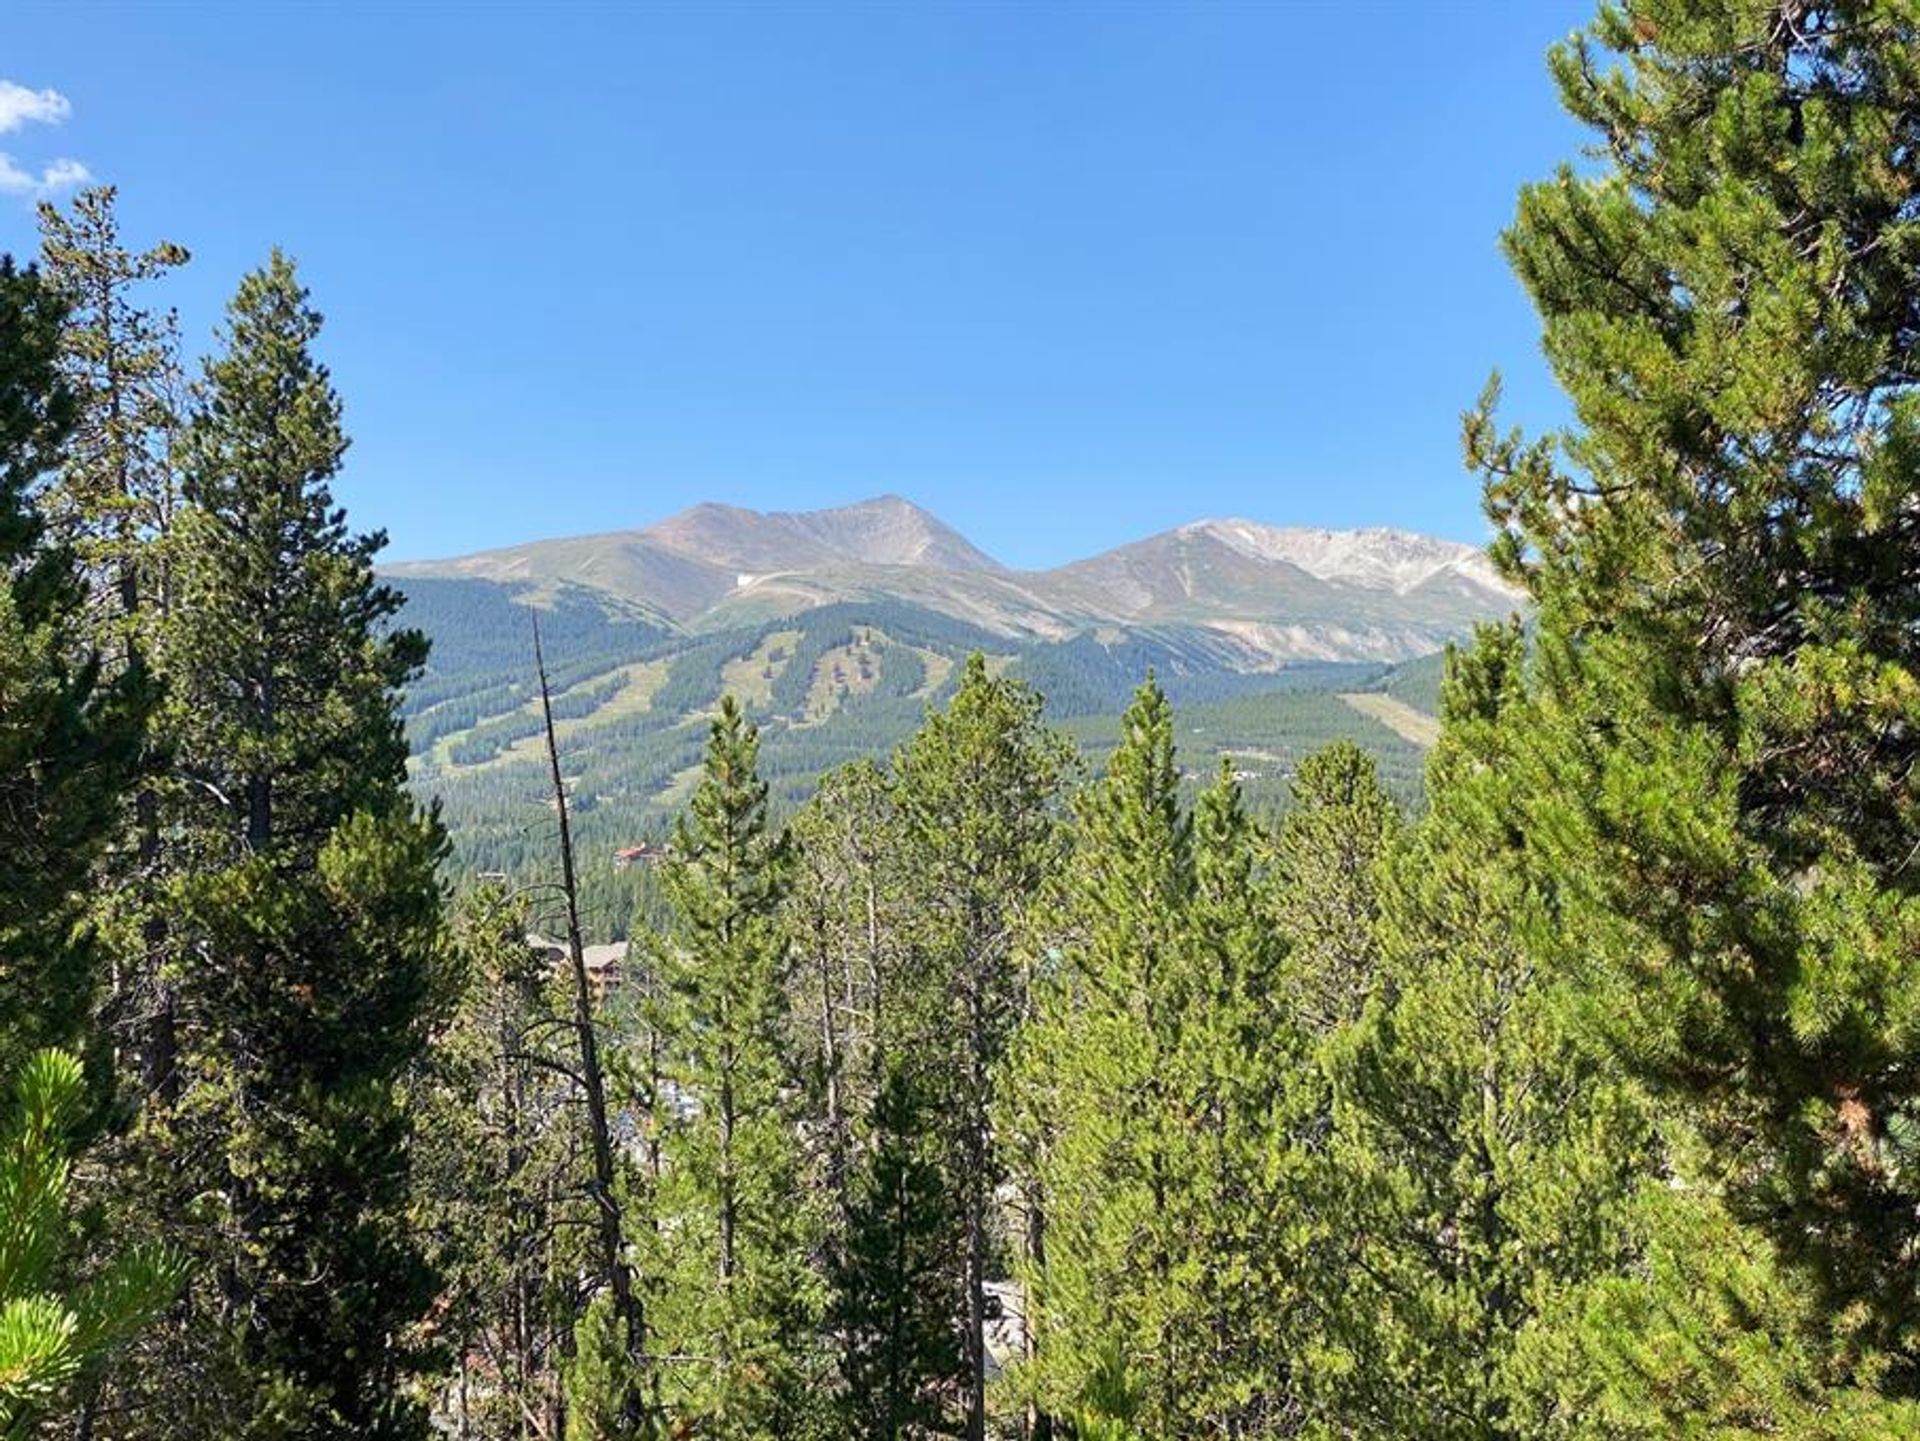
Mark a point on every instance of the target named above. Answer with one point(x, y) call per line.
point(834, 684)
point(1513, 1044)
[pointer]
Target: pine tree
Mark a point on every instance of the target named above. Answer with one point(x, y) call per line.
point(851, 988)
point(979, 788)
point(51, 1333)
point(899, 1287)
point(1156, 1095)
point(113, 500)
point(1341, 822)
point(116, 492)
point(70, 741)
point(1486, 1154)
point(1706, 1333)
point(1107, 1037)
point(311, 960)
point(872, 1032)
point(70, 750)
point(1254, 1101)
point(1725, 557)
point(498, 1161)
point(281, 661)
point(737, 1292)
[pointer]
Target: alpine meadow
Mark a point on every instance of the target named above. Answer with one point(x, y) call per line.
point(785, 973)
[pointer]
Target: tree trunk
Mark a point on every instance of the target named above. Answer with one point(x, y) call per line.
point(1039, 1423)
point(260, 787)
point(619, 1279)
point(977, 1220)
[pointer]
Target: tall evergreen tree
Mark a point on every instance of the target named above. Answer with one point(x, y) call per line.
point(898, 1285)
point(70, 750)
point(872, 1029)
point(1154, 1094)
point(1485, 1153)
point(117, 491)
point(1254, 1101)
point(499, 1160)
point(738, 1292)
point(113, 500)
point(70, 740)
point(847, 919)
point(282, 662)
point(1725, 556)
point(311, 962)
point(1104, 1047)
point(979, 788)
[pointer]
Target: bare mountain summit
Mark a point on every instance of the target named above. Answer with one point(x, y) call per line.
point(883, 531)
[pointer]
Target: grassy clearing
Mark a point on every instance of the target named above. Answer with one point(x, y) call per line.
point(634, 698)
point(939, 667)
point(846, 670)
point(750, 677)
point(1395, 714)
point(679, 789)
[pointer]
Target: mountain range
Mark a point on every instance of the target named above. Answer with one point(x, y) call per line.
point(1254, 596)
point(837, 629)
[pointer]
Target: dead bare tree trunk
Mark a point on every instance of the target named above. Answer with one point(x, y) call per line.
point(627, 1305)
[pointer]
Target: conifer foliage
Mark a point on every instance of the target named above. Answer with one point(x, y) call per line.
point(1725, 557)
point(873, 1035)
point(498, 1160)
point(69, 746)
point(282, 666)
point(112, 502)
point(117, 490)
point(980, 785)
point(738, 1295)
point(311, 958)
point(1484, 1152)
point(1150, 1096)
point(70, 739)
point(1328, 854)
point(49, 1338)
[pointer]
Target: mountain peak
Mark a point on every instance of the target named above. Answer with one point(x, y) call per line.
point(889, 501)
point(882, 530)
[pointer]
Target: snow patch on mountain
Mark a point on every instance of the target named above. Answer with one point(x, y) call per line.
point(1376, 558)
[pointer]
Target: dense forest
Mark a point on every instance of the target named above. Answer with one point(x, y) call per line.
point(835, 683)
point(974, 1089)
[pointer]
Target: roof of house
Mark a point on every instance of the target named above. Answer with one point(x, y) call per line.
point(598, 958)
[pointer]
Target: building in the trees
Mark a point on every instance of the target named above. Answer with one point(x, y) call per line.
point(604, 963)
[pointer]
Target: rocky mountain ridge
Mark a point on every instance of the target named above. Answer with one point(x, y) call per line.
point(1264, 594)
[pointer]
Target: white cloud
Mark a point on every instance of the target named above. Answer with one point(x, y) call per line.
point(21, 106)
point(60, 175)
point(64, 173)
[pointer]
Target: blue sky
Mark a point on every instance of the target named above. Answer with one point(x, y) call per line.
point(1064, 274)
